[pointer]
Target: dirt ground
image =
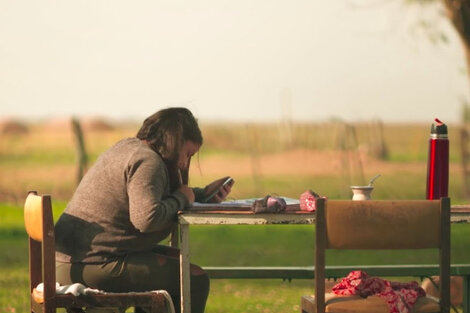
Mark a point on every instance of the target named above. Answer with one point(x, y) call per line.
point(301, 162)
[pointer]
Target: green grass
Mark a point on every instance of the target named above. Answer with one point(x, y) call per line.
point(37, 157)
point(46, 160)
point(257, 295)
point(14, 296)
point(234, 245)
point(13, 261)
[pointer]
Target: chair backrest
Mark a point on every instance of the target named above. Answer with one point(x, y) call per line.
point(384, 225)
point(39, 224)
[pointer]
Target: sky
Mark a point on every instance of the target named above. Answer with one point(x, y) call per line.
point(243, 60)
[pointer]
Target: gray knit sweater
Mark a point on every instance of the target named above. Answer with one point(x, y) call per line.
point(123, 205)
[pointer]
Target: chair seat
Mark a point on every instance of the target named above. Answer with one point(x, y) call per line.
point(373, 304)
point(157, 301)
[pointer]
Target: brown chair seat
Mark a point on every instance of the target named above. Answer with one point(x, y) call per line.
point(373, 304)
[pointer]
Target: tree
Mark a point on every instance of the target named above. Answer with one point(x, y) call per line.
point(458, 12)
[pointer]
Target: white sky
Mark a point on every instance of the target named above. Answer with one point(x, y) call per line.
point(228, 60)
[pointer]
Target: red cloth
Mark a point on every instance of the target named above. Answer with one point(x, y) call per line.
point(400, 297)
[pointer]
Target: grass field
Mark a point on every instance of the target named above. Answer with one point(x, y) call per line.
point(275, 159)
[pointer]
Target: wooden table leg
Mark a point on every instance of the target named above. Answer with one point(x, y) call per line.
point(466, 295)
point(185, 283)
point(174, 237)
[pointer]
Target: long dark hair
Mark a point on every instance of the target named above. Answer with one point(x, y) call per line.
point(165, 132)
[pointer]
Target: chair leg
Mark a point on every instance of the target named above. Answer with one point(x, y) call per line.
point(105, 310)
point(74, 310)
point(139, 309)
point(466, 297)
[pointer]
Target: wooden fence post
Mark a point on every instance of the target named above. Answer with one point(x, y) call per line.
point(351, 163)
point(379, 148)
point(82, 158)
point(254, 148)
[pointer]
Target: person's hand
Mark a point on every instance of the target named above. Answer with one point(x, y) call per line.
point(188, 192)
point(222, 193)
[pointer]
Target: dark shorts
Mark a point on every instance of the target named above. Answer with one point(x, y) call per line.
point(139, 272)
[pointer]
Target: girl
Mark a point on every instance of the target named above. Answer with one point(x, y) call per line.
point(107, 238)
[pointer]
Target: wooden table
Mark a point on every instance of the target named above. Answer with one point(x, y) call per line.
point(460, 214)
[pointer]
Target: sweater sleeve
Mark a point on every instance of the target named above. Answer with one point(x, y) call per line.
point(151, 208)
point(199, 194)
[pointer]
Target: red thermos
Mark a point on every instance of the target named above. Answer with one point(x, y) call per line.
point(437, 182)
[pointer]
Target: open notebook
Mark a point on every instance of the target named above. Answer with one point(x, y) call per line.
point(241, 205)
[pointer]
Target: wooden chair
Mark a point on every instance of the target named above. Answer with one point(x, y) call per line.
point(379, 225)
point(40, 228)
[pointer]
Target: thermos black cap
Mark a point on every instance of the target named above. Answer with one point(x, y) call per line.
point(439, 128)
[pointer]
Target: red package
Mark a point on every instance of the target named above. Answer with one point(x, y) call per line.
point(308, 201)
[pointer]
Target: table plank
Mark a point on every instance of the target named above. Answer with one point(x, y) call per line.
point(245, 218)
point(229, 217)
